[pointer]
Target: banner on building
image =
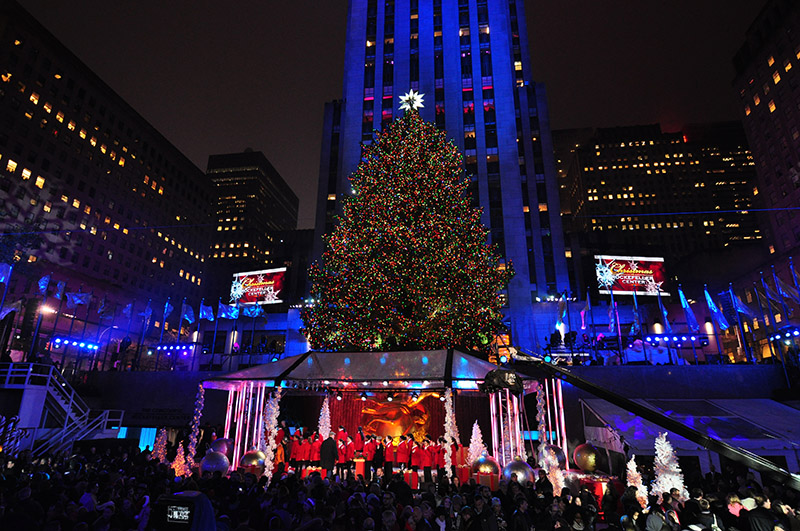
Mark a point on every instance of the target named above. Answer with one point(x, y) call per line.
point(258, 287)
point(625, 275)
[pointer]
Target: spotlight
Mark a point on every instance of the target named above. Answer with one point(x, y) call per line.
point(649, 339)
point(787, 334)
point(58, 340)
point(693, 338)
point(683, 338)
point(548, 358)
point(441, 397)
point(796, 333)
point(74, 343)
point(389, 397)
point(338, 395)
point(149, 352)
point(674, 338)
point(504, 359)
point(364, 396)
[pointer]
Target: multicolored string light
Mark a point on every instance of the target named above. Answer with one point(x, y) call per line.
point(408, 265)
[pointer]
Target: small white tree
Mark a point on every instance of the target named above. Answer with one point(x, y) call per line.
point(476, 446)
point(324, 428)
point(549, 462)
point(450, 428)
point(667, 471)
point(635, 480)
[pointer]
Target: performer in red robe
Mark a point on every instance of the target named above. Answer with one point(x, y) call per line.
point(403, 453)
point(388, 457)
point(316, 446)
point(341, 458)
point(369, 454)
point(294, 450)
point(341, 435)
point(358, 440)
point(351, 452)
point(428, 455)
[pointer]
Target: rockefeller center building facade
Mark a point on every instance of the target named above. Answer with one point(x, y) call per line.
point(470, 60)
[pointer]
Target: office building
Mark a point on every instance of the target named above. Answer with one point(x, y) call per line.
point(470, 59)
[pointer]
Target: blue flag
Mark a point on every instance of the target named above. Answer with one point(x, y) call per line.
point(206, 312)
point(716, 313)
point(60, 289)
point(126, 311)
point(101, 310)
point(167, 309)
point(187, 313)
point(253, 311)
point(667, 325)
point(739, 306)
point(226, 311)
point(78, 299)
point(5, 273)
point(147, 311)
point(43, 283)
point(691, 320)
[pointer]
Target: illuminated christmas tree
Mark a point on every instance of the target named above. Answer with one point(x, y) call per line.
point(635, 480)
point(160, 446)
point(476, 446)
point(667, 471)
point(179, 464)
point(324, 428)
point(408, 265)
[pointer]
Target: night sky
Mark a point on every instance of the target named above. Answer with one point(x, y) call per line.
point(217, 77)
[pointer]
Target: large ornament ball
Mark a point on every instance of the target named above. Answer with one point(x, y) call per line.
point(215, 462)
point(253, 458)
point(486, 464)
point(562, 459)
point(585, 456)
point(522, 469)
point(223, 446)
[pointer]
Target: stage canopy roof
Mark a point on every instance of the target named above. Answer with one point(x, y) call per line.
point(412, 370)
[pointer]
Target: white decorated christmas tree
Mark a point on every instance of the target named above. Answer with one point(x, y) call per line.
point(324, 428)
point(476, 446)
point(667, 471)
point(549, 462)
point(635, 480)
point(450, 428)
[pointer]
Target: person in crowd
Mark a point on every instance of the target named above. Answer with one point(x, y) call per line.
point(388, 456)
point(328, 454)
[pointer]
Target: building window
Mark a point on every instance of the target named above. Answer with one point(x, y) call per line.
point(11, 166)
point(39, 182)
point(26, 174)
point(771, 105)
point(776, 77)
point(35, 98)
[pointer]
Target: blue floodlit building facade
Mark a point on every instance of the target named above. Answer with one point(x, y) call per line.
point(470, 59)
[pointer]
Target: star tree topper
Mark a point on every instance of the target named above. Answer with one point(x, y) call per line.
point(411, 101)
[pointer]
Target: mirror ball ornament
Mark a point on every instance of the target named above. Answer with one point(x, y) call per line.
point(522, 469)
point(486, 464)
point(562, 459)
point(585, 456)
point(215, 462)
point(224, 446)
point(253, 458)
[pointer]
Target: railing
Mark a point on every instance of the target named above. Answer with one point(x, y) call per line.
point(79, 420)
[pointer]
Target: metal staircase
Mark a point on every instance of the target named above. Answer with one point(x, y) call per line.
point(65, 417)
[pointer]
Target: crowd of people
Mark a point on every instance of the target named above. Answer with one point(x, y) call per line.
point(123, 489)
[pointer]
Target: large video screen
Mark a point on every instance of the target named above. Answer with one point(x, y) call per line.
point(258, 287)
point(643, 275)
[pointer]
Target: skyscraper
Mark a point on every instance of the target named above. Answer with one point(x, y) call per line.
point(253, 203)
point(470, 60)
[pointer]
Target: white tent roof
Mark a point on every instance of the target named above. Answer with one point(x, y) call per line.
point(399, 370)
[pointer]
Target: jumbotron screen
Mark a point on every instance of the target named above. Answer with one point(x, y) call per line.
point(625, 275)
point(258, 287)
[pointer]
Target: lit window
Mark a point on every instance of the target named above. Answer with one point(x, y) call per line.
point(747, 110)
point(82, 133)
point(93, 141)
point(60, 117)
point(756, 99)
point(47, 107)
point(160, 190)
point(39, 182)
point(568, 253)
point(116, 226)
point(771, 105)
point(35, 98)
point(331, 197)
point(122, 161)
point(518, 66)
point(542, 207)
point(76, 203)
point(71, 125)
point(770, 61)
point(47, 206)
point(787, 65)
point(26, 174)
point(526, 209)
point(102, 148)
point(31, 258)
point(11, 167)
point(124, 231)
point(87, 209)
point(776, 77)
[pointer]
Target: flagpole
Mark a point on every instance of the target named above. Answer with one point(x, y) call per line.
point(616, 317)
point(694, 349)
point(593, 338)
point(775, 331)
point(767, 323)
point(252, 337)
point(5, 288)
point(161, 335)
point(128, 329)
point(780, 294)
point(214, 339)
point(714, 327)
point(145, 318)
point(58, 314)
point(569, 326)
point(794, 275)
point(638, 321)
point(99, 326)
point(83, 332)
point(180, 324)
point(69, 333)
point(39, 321)
point(742, 336)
